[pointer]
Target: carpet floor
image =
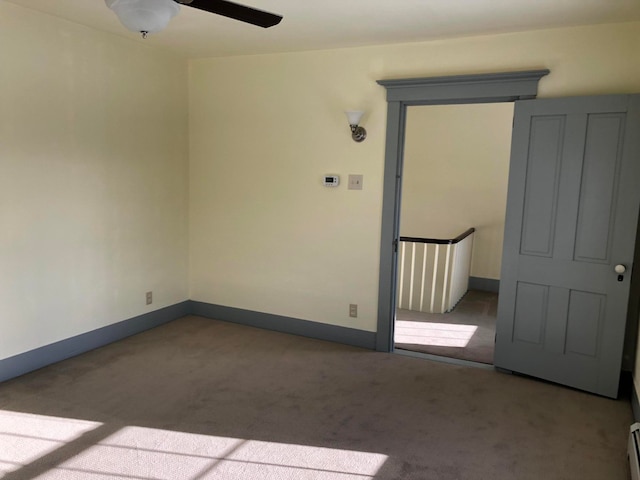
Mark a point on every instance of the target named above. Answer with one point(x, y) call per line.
point(467, 333)
point(201, 399)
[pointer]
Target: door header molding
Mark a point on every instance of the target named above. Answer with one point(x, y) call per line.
point(484, 87)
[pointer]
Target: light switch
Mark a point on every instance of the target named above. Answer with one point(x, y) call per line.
point(355, 182)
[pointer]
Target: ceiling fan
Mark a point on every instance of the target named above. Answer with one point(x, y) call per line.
point(151, 16)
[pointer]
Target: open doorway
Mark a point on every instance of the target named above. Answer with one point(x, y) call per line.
point(506, 87)
point(453, 201)
point(562, 315)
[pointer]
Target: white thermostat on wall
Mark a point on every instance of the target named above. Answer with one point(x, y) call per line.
point(331, 180)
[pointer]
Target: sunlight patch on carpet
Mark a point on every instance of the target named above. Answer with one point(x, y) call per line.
point(433, 334)
point(147, 453)
point(26, 437)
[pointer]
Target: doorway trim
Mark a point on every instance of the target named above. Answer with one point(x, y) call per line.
point(402, 93)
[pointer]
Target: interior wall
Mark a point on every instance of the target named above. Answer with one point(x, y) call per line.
point(94, 177)
point(94, 184)
point(265, 234)
point(455, 175)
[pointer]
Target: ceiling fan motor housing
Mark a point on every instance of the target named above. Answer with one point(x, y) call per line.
point(148, 16)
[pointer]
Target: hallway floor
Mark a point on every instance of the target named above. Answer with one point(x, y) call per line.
point(466, 333)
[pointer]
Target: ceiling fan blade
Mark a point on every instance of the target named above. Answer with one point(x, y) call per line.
point(236, 11)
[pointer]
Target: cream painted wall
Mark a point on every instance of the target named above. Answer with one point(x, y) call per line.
point(93, 191)
point(265, 234)
point(455, 175)
point(93, 183)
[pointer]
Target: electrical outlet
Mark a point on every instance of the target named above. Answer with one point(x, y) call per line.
point(353, 310)
point(149, 298)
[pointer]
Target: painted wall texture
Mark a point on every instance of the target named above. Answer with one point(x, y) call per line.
point(455, 175)
point(93, 189)
point(115, 183)
point(264, 233)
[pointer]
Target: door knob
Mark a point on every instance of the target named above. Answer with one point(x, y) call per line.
point(620, 269)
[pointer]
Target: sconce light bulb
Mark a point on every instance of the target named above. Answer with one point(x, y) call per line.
point(358, 133)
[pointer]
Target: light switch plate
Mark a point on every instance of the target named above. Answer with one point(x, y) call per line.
point(355, 182)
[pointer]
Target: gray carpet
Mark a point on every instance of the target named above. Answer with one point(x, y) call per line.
point(467, 333)
point(200, 399)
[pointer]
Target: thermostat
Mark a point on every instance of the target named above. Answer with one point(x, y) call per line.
point(331, 180)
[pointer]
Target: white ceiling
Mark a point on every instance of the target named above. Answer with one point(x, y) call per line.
point(327, 24)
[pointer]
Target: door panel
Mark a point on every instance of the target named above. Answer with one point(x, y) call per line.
point(583, 322)
point(531, 313)
point(598, 187)
point(572, 214)
point(541, 190)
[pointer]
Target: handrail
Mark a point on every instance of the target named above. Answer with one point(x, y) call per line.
point(439, 241)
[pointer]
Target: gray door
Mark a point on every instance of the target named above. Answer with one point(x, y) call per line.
point(574, 192)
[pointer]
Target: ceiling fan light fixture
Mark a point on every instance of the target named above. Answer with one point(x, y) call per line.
point(144, 16)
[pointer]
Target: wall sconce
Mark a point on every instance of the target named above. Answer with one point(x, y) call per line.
point(358, 133)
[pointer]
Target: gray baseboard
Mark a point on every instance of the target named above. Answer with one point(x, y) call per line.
point(484, 284)
point(41, 357)
point(278, 323)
